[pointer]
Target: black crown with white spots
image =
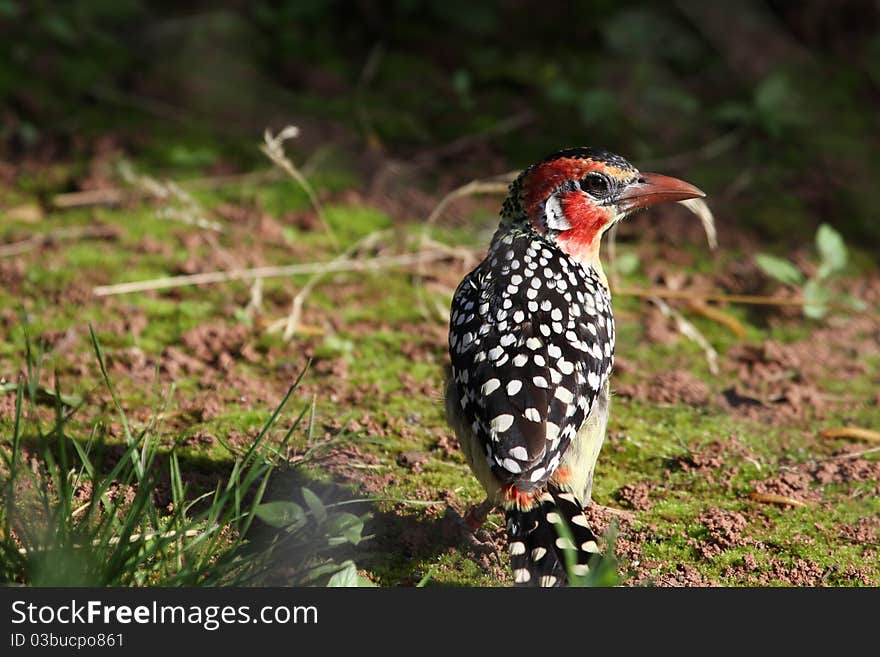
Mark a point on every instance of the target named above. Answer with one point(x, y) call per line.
point(531, 342)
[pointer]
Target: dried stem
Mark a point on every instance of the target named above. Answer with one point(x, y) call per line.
point(118, 195)
point(698, 207)
point(73, 233)
point(256, 300)
point(292, 324)
point(180, 204)
point(690, 331)
point(856, 433)
point(273, 147)
point(700, 295)
point(772, 498)
point(471, 189)
point(855, 455)
point(367, 264)
point(718, 316)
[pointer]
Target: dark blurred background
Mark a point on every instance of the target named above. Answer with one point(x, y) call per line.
point(770, 105)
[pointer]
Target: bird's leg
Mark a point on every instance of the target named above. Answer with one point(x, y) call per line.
point(470, 528)
point(477, 514)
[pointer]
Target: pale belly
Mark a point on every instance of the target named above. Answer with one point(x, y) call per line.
point(580, 457)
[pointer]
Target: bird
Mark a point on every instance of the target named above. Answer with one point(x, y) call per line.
point(531, 349)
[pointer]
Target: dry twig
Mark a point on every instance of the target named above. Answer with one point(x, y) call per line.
point(61, 234)
point(473, 188)
point(689, 331)
point(118, 195)
point(206, 278)
point(856, 433)
point(772, 498)
point(691, 295)
point(180, 205)
point(854, 455)
point(292, 322)
point(256, 298)
point(718, 316)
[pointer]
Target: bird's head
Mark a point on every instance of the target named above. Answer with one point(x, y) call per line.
point(575, 195)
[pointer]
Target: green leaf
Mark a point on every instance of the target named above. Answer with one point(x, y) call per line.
point(316, 506)
point(46, 395)
point(854, 302)
point(832, 250)
point(816, 297)
point(427, 577)
point(627, 263)
point(348, 576)
point(281, 514)
point(344, 528)
point(773, 94)
point(781, 270)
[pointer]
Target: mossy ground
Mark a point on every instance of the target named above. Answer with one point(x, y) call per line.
point(377, 349)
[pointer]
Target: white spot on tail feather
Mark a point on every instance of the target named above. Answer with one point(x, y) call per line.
point(547, 580)
point(564, 543)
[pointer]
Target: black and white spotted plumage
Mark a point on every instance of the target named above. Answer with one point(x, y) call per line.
point(532, 344)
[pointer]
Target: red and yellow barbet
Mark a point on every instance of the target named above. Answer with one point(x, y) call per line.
point(531, 343)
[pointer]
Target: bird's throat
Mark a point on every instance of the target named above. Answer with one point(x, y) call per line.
point(588, 222)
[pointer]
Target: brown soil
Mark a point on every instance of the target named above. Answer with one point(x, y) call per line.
point(726, 530)
point(635, 496)
point(803, 481)
point(676, 386)
point(778, 382)
point(794, 484)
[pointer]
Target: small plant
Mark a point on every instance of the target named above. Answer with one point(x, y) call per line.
point(817, 294)
point(604, 569)
point(81, 511)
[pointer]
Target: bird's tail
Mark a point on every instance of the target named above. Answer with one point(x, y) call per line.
point(543, 537)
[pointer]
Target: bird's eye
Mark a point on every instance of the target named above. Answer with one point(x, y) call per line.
point(596, 185)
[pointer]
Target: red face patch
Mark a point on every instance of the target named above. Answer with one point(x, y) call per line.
point(587, 219)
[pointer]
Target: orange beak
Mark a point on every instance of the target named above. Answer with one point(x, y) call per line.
point(654, 188)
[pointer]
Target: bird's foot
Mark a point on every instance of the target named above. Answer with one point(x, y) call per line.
point(470, 529)
point(477, 514)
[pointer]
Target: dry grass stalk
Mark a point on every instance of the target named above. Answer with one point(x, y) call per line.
point(292, 323)
point(118, 196)
point(771, 498)
point(856, 433)
point(61, 234)
point(718, 316)
point(273, 148)
point(207, 278)
point(689, 331)
point(179, 205)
